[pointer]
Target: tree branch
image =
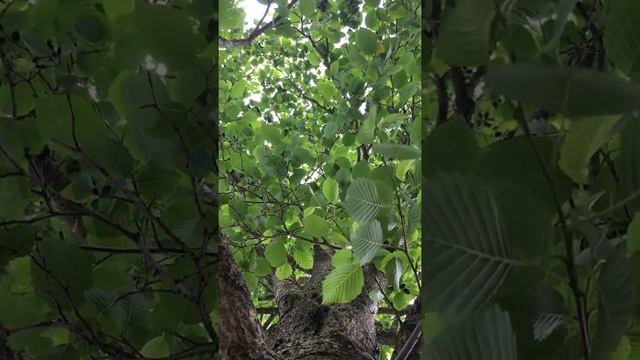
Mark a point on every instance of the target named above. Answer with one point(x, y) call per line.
point(409, 346)
point(443, 99)
point(163, 250)
point(434, 18)
point(259, 30)
point(387, 337)
point(569, 260)
point(464, 102)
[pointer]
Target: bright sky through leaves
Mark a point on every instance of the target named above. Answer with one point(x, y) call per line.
point(254, 12)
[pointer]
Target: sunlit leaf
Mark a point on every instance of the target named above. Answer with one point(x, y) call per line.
point(342, 284)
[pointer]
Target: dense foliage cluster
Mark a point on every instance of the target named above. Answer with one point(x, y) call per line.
point(107, 194)
point(531, 180)
point(319, 137)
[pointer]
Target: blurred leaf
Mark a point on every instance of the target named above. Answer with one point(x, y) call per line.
point(615, 302)
point(566, 90)
point(465, 33)
point(622, 37)
point(156, 348)
point(315, 225)
point(585, 137)
point(486, 335)
point(366, 40)
point(397, 151)
point(468, 246)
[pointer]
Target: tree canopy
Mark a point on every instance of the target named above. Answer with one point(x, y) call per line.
point(320, 151)
point(107, 189)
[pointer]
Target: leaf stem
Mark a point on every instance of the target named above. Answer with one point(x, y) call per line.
point(579, 296)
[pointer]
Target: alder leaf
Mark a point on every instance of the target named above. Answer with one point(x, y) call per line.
point(343, 284)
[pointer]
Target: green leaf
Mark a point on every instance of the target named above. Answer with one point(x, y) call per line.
point(53, 117)
point(330, 129)
point(308, 7)
point(238, 89)
point(263, 267)
point(622, 38)
point(392, 266)
point(330, 190)
point(486, 335)
point(549, 312)
point(156, 348)
point(633, 234)
point(413, 217)
point(276, 253)
point(314, 58)
point(393, 118)
point(623, 351)
point(569, 91)
point(366, 40)
point(343, 284)
point(371, 20)
point(162, 32)
point(15, 241)
point(451, 147)
point(616, 301)
point(113, 156)
point(327, 89)
point(60, 352)
point(563, 11)
point(629, 161)
point(465, 238)
point(231, 17)
point(341, 257)
point(335, 67)
point(585, 137)
point(362, 200)
point(366, 241)
point(465, 33)
point(529, 224)
point(403, 167)
point(406, 92)
point(338, 238)
point(515, 160)
point(303, 254)
point(634, 341)
point(156, 183)
point(284, 271)
point(116, 8)
point(397, 151)
point(16, 293)
point(70, 265)
point(316, 225)
point(91, 27)
point(366, 131)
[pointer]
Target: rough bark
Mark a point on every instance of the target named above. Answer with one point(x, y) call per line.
point(240, 333)
point(307, 329)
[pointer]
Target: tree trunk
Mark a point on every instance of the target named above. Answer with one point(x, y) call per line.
point(240, 333)
point(307, 329)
